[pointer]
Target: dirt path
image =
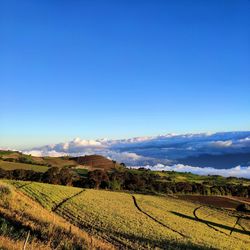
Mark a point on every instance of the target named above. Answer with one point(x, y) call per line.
point(154, 219)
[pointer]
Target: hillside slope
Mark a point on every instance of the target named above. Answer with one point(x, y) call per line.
point(12, 159)
point(95, 161)
point(20, 216)
point(137, 221)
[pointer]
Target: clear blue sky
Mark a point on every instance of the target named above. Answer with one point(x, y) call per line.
point(122, 68)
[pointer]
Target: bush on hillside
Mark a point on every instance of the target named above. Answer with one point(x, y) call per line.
point(5, 193)
point(243, 208)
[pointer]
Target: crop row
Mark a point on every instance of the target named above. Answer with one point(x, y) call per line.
point(180, 215)
point(159, 222)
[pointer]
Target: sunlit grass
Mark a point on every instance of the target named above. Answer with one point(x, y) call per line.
point(114, 216)
point(16, 165)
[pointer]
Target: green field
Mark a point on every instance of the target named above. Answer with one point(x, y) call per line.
point(210, 179)
point(6, 165)
point(142, 221)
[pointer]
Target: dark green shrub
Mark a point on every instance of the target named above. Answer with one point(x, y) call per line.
point(5, 194)
point(243, 208)
point(4, 191)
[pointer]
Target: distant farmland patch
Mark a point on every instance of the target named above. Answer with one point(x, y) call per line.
point(6, 165)
point(216, 201)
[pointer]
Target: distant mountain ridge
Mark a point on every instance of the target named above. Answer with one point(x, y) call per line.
point(154, 149)
point(204, 150)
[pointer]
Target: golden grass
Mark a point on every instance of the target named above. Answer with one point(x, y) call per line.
point(169, 222)
point(16, 165)
point(53, 231)
point(7, 243)
point(179, 215)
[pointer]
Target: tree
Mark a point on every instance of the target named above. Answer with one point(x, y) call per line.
point(51, 176)
point(98, 179)
point(66, 177)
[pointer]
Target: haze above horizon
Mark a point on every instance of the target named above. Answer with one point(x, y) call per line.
point(122, 69)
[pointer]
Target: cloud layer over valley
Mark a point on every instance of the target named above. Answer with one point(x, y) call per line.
point(225, 153)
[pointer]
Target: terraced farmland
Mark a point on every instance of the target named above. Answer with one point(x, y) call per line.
point(143, 221)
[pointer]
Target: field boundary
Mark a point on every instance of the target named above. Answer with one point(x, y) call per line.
point(236, 199)
point(241, 225)
point(203, 221)
point(154, 219)
point(24, 185)
point(214, 228)
point(236, 223)
point(65, 200)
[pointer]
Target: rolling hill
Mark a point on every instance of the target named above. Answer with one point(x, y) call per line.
point(17, 160)
point(95, 162)
point(136, 221)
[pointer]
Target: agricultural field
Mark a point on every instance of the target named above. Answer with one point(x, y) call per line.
point(137, 221)
point(215, 201)
point(6, 165)
point(10, 160)
point(23, 218)
point(209, 179)
point(90, 162)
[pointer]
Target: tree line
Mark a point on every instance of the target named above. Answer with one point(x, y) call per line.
point(145, 182)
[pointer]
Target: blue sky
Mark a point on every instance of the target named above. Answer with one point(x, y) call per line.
point(122, 68)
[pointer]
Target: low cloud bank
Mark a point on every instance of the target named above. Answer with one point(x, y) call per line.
point(131, 159)
point(238, 171)
point(40, 153)
point(162, 152)
point(125, 157)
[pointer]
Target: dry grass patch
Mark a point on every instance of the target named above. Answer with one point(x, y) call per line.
point(48, 230)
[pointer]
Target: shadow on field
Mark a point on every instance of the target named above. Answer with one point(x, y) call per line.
point(131, 241)
point(16, 229)
point(154, 219)
point(162, 244)
point(212, 224)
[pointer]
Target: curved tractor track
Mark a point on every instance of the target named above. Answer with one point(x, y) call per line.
point(65, 200)
point(216, 229)
point(154, 219)
point(24, 185)
point(83, 225)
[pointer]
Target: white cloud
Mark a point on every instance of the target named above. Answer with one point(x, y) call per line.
point(245, 142)
point(164, 149)
point(237, 171)
point(40, 153)
point(128, 157)
point(85, 143)
point(221, 144)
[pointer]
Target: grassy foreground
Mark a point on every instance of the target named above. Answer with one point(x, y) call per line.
point(21, 216)
point(142, 221)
